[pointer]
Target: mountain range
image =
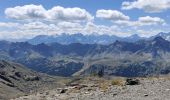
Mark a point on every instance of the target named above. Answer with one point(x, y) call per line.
point(141, 58)
point(90, 39)
point(80, 38)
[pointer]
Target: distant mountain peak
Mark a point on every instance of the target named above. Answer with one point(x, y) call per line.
point(159, 39)
point(160, 43)
point(135, 36)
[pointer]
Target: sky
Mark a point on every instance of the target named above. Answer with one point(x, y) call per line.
point(24, 19)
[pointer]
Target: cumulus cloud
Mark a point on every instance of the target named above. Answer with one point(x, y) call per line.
point(58, 13)
point(69, 14)
point(151, 20)
point(118, 17)
point(143, 21)
point(151, 6)
point(26, 12)
point(113, 15)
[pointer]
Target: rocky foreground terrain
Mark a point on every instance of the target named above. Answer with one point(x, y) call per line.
point(19, 83)
point(155, 88)
point(17, 80)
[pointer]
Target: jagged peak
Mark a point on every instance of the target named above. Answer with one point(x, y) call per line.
point(159, 39)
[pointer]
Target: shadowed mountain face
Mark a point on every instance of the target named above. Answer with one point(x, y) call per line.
point(141, 58)
point(165, 36)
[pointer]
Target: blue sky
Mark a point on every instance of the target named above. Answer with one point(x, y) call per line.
point(29, 18)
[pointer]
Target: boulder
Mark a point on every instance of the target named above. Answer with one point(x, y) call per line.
point(32, 78)
point(132, 81)
point(63, 91)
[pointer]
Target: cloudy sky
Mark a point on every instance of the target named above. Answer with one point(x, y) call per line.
point(29, 18)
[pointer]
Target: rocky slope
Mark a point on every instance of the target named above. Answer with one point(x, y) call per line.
point(17, 80)
point(113, 89)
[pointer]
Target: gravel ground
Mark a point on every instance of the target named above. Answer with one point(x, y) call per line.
point(148, 89)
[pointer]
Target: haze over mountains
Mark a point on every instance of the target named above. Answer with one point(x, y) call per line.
point(140, 58)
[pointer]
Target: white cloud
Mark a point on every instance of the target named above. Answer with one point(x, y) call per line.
point(102, 29)
point(99, 29)
point(119, 18)
point(113, 15)
point(34, 26)
point(8, 24)
point(26, 12)
point(70, 28)
point(143, 21)
point(69, 14)
point(31, 12)
point(151, 20)
point(151, 6)
point(69, 25)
